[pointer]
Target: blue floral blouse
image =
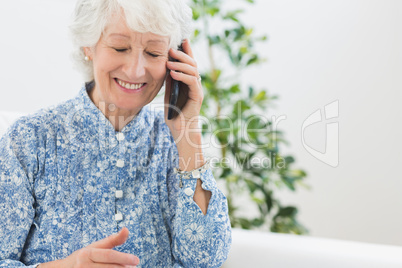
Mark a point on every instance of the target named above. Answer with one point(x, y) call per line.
point(68, 179)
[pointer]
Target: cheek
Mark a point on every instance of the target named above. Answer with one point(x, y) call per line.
point(160, 72)
point(105, 64)
point(162, 75)
point(158, 69)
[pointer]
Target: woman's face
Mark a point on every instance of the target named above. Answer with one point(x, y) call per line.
point(129, 67)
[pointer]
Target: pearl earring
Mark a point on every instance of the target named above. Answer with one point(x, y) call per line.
point(86, 58)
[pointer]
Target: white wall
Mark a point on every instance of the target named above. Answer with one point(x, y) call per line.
point(319, 52)
point(350, 51)
point(35, 67)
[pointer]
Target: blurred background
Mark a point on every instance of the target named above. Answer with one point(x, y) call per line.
point(318, 52)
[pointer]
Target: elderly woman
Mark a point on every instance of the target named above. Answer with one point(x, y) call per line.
point(103, 180)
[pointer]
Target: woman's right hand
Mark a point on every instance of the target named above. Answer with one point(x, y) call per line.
point(99, 254)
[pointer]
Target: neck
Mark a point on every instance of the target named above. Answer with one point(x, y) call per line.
point(119, 118)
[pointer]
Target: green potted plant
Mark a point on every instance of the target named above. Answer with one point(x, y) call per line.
point(250, 163)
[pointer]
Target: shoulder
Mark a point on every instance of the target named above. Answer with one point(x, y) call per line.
point(40, 123)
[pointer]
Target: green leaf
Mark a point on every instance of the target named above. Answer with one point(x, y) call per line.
point(289, 211)
point(260, 96)
point(240, 107)
point(250, 92)
point(226, 172)
point(289, 160)
point(268, 200)
point(257, 200)
point(298, 173)
point(196, 14)
point(235, 89)
point(196, 32)
point(232, 178)
point(257, 222)
point(233, 13)
point(212, 11)
point(245, 223)
point(215, 39)
point(251, 185)
point(289, 182)
point(254, 59)
point(243, 50)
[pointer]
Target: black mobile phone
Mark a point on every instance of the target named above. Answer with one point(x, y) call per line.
point(174, 95)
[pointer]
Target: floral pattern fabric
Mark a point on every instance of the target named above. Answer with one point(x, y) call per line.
point(68, 179)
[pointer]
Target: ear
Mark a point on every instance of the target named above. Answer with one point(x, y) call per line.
point(88, 52)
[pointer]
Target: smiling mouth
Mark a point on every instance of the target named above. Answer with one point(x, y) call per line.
point(129, 85)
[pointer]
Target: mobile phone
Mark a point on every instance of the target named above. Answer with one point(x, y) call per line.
point(174, 95)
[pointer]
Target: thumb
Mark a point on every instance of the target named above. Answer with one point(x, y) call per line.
point(112, 241)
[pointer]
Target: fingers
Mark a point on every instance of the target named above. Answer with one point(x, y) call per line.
point(185, 56)
point(183, 67)
point(187, 48)
point(112, 240)
point(99, 255)
point(188, 79)
point(185, 70)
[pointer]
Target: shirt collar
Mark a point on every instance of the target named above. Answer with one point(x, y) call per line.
point(89, 122)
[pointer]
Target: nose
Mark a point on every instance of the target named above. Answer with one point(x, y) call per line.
point(134, 66)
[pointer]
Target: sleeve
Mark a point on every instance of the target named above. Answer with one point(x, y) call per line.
point(17, 159)
point(198, 240)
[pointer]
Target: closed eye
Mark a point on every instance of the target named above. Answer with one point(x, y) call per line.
point(153, 55)
point(121, 49)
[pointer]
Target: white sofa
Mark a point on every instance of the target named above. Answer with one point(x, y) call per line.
point(262, 249)
point(6, 119)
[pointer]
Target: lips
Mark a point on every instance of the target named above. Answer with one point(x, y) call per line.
point(127, 85)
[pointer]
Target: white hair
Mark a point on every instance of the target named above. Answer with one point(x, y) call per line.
point(170, 18)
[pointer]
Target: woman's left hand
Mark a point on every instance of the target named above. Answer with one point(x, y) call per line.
point(191, 94)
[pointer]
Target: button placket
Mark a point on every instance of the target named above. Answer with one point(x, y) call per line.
point(188, 191)
point(120, 163)
point(118, 217)
point(119, 194)
point(120, 136)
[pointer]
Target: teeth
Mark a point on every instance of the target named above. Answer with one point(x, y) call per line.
point(128, 85)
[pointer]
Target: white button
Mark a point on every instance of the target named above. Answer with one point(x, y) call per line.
point(188, 191)
point(120, 136)
point(196, 174)
point(118, 217)
point(119, 194)
point(120, 163)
